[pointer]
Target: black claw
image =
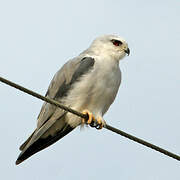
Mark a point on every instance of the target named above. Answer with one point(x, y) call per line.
point(93, 124)
point(98, 126)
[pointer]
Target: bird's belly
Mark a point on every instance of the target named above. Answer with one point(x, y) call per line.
point(103, 95)
point(94, 96)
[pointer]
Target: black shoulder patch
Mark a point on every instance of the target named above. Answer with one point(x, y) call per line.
point(62, 91)
point(86, 64)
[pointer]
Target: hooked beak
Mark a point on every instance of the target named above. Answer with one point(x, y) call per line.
point(127, 51)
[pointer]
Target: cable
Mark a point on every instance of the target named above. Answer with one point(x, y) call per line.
point(122, 133)
point(51, 101)
point(141, 141)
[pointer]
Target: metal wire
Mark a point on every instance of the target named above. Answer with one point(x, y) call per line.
point(122, 133)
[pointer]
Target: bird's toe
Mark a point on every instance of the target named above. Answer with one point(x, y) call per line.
point(100, 123)
point(91, 117)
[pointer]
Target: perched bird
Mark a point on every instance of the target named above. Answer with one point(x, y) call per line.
point(87, 83)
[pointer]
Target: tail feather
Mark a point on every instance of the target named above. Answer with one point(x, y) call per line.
point(41, 143)
point(26, 142)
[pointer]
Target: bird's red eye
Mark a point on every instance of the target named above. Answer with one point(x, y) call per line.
point(116, 42)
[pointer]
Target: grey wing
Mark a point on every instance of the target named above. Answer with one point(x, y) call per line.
point(51, 120)
point(57, 87)
point(62, 83)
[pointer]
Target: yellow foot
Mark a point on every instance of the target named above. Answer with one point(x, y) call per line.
point(100, 123)
point(90, 116)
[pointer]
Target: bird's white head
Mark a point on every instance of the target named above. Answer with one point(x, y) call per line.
point(110, 45)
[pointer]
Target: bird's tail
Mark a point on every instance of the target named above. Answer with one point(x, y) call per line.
point(30, 146)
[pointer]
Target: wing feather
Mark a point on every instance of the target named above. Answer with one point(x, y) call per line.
point(51, 124)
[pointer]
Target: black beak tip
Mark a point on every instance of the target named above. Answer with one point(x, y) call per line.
point(127, 51)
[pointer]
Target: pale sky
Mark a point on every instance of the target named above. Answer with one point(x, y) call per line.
point(37, 37)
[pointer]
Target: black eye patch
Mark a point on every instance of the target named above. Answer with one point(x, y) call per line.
point(116, 42)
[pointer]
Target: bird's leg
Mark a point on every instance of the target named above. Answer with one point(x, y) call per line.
point(91, 118)
point(98, 123)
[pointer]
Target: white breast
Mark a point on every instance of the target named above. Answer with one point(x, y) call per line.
point(95, 91)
